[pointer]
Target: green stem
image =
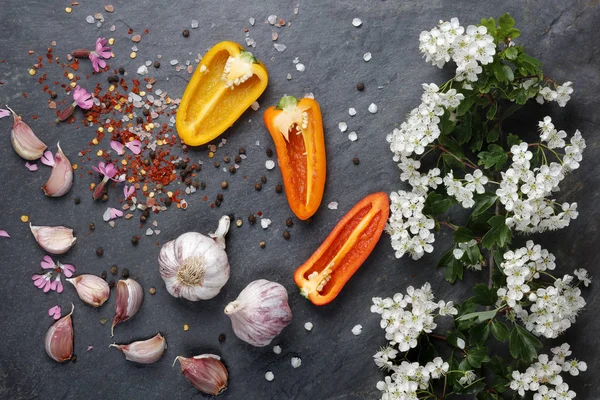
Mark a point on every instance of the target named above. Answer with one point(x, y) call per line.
point(465, 162)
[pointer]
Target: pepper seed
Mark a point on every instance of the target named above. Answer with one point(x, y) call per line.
point(242, 150)
point(356, 161)
point(186, 33)
point(92, 226)
point(269, 152)
point(220, 196)
point(289, 222)
point(279, 188)
point(77, 200)
point(263, 179)
point(122, 71)
point(251, 219)
point(217, 164)
point(134, 240)
point(232, 169)
point(152, 290)
point(360, 86)
point(222, 337)
point(99, 251)
point(224, 185)
point(286, 235)
point(227, 159)
point(258, 186)
point(114, 270)
point(238, 159)
point(156, 64)
point(125, 273)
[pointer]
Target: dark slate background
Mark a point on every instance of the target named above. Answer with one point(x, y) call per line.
point(335, 364)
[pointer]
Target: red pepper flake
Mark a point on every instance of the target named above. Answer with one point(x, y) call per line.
point(146, 31)
point(130, 31)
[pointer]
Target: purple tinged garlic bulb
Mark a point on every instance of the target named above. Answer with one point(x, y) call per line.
point(144, 351)
point(92, 289)
point(260, 312)
point(206, 372)
point(129, 299)
point(195, 266)
point(59, 339)
point(61, 178)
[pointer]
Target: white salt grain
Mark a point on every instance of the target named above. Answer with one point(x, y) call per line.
point(353, 136)
point(149, 232)
point(143, 70)
point(367, 57)
point(373, 108)
point(269, 376)
point(269, 164)
point(352, 111)
point(343, 126)
point(300, 67)
point(252, 20)
point(289, 77)
point(265, 222)
point(89, 19)
point(173, 62)
point(194, 24)
point(255, 106)
point(296, 361)
point(279, 47)
point(308, 326)
point(277, 349)
point(356, 22)
point(272, 19)
point(333, 205)
point(357, 330)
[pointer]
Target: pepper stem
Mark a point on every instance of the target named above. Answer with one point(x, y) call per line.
point(222, 229)
point(247, 56)
point(287, 102)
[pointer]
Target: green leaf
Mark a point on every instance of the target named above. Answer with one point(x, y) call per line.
point(446, 125)
point(473, 254)
point(506, 22)
point(478, 334)
point(508, 72)
point(451, 162)
point(463, 131)
point(495, 157)
point(484, 295)
point(499, 234)
point(436, 204)
point(490, 24)
point(487, 396)
point(465, 105)
point(463, 234)
point(511, 53)
point(523, 345)
point(491, 112)
point(512, 140)
point(500, 330)
point(453, 271)
point(480, 315)
point(475, 356)
point(483, 202)
point(427, 353)
point(451, 145)
point(498, 72)
point(452, 339)
point(493, 135)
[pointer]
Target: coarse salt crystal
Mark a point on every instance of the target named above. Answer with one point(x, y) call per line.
point(300, 67)
point(269, 164)
point(272, 19)
point(357, 330)
point(134, 48)
point(296, 361)
point(142, 70)
point(308, 326)
point(194, 24)
point(269, 376)
point(353, 136)
point(309, 95)
point(277, 349)
point(343, 126)
point(252, 20)
point(296, 61)
point(279, 47)
point(289, 77)
point(255, 106)
point(174, 62)
point(373, 108)
point(149, 232)
point(89, 19)
point(356, 22)
point(367, 56)
point(333, 205)
point(352, 111)
point(265, 222)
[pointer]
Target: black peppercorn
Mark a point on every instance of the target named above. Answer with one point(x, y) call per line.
point(226, 159)
point(279, 188)
point(197, 167)
point(356, 161)
point(217, 164)
point(220, 196)
point(77, 200)
point(186, 33)
point(269, 152)
point(218, 203)
point(92, 226)
point(237, 159)
point(360, 86)
point(140, 120)
point(143, 219)
point(125, 273)
point(222, 337)
point(188, 181)
point(242, 150)
point(134, 240)
point(196, 184)
point(152, 154)
point(99, 251)
point(122, 71)
point(202, 185)
point(53, 96)
point(263, 179)
point(73, 358)
point(183, 174)
point(114, 270)
point(286, 235)
point(224, 185)
point(168, 202)
point(112, 283)
point(251, 219)
point(104, 275)
point(146, 212)
point(156, 64)
point(189, 169)
point(146, 112)
point(232, 169)
point(289, 222)
point(257, 186)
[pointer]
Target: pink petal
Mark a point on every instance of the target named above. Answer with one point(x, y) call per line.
point(48, 158)
point(100, 42)
point(57, 285)
point(68, 270)
point(101, 63)
point(111, 213)
point(54, 310)
point(94, 59)
point(47, 262)
point(135, 146)
point(118, 147)
point(31, 167)
point(4, 234)
point(49, 286)
point(56, 316)
point(4, 113)
point(128, 191)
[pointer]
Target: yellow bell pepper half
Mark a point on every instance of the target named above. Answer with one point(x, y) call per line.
point(227, 81)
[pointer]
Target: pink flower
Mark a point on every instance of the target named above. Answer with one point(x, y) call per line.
point(108, 170)
point(135, 146)
point(47, 262)
point(112, 213)
point(57, 285)
point(100, 52)
point(117, 147)
point(48, 158)
point(128, 191)
point(44, 281)
point(82, 98)
point(4, 113)
point(31, 167)
point(4, 234)
point(54, 312)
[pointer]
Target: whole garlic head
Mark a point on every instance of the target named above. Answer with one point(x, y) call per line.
point(195, 266)
point(260, 312)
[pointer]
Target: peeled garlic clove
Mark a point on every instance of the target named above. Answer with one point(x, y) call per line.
point(92, 289)
point(206, 372)
point(61, 178)
point(129, 299)
point(260, 312)
point(195, 266)
point(24, 141)
point(144, 351)
point(53, 239)
point(59, 339)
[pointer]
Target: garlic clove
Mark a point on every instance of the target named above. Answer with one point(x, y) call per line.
point(129, 299)
point(61, 178)
point(92, 289)
point(53, 239)
point(59, 339)
point(144, 351)
point(206, 372)
point(222, 229)
point(24, 141)
point(260, 312)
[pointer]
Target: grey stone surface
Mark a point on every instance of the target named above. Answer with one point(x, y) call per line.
point(335, 364)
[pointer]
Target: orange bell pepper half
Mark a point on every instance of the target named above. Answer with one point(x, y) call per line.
point(227, 81)
point(297, 130)
point(323, 276)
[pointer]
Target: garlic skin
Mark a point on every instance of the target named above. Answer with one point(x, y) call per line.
point(144, 351)
point(61, 178)
point(92, 289)
point(53, 239)
point(260, 312)
point(24, 141)
point(59, 339)
point(195, 266)
point(129, 299)
point(206, 372)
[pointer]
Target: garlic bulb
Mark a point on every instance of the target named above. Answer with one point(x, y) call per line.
point(92, 289)
point(144, 351)
point(53, 239)
point(129, 299)
point(260, 312)
point(206, 372)
point(195, 266)
point(61, 178)
point(59, 339)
